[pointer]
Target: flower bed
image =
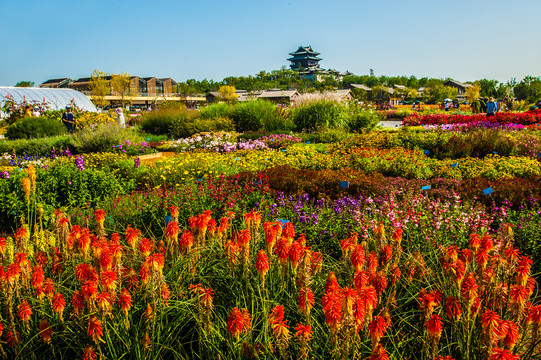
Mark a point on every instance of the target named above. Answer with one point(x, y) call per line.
point(525, 118)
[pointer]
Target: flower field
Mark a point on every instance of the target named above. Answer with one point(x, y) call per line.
point(409, 244)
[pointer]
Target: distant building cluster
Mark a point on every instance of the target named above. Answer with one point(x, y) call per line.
point(140, 86)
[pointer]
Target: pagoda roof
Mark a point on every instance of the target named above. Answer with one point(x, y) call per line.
point(304, 50)
point(300, 57)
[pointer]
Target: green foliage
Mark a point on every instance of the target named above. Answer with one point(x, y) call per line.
point(37, 147)
point(35, 127)
point(25, 84)
point(438, 93)
point(60, 186)
point(323, 113)
point(362, 119)
point(103, 138)
point(183, 128)
point(159, 122)
point(327, 136)
point(259, 115)
point(218, 110)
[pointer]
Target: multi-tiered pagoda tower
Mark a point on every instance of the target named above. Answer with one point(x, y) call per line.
point(305, 58)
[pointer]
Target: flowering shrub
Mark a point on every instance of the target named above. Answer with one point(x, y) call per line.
point(133, 148)
point(92, 119)
point(280, 141)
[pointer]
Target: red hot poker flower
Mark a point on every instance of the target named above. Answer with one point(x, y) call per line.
point(95, 329)
point(376, 329)
point(453, 309)
point(434, 327)
point(24, 311)
point(238, 322)
point(500, 354)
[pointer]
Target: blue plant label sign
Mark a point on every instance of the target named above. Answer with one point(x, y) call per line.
point(344, 184)
point(168, 219)
point(454, 165)
point(495, 152)
point(488, 191)
point(427, 152)
point(426, 187)
point(308, 142)
point(283, 221)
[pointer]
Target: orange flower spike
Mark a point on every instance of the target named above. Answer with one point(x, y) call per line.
point(156, 262)
point(434, 327)
point(360, 279)
point(186, 241)
point(534, 315)
point(12, 337)
point(89, 353)
point(206, 298)
point(262, 264)
point(519, 294)
point(59, 304)
point(38, 276)
point(132, 235)
point(281, 250)
point(3, 247)
point(104, 302)
point(453, 308)
point(486, 243)
point(165, 294)
point(31, 170)
point(45, 330)
point(376, 329)
point(94, 329)
point(316, 259)
point(125, 301)
point(397, 236)
point(372, 263)
point(475, 242)
point(24, 311)
point(244, 238)
point(451, 253)
point(48, 287)
point(145, 247)
point(303, 332)
point(524, 265)
point(378, 353)
point(379, 282)
point(109, 280)
point(348, 297)
point(469, 287)
point(509, 333)
point(99, 215)
point(238, 322)
point(276, 314)
point(174, 212)
point(500, 354)
point(295, 252)
point(78, 303)
point(358, 257)
point(386, 255)
point(211, 227)
point(490, 321)
point(481, 258)
point(171, 231)
point(26, 188)
point(288, 231)
point(331, 284)
point(512, 254)
point(306, 300)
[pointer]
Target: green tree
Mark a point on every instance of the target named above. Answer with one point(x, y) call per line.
point(25, 84)
point(488, 87)
point(438, 93)
point(99, 86)
point(121, 86)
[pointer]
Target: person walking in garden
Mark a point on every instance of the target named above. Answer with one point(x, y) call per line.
point(492, 107)
point(120, 119)
point(68, 119)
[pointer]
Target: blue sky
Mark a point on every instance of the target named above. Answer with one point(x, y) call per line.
point(462, 39)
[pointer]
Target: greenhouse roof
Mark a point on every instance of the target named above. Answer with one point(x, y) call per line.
point(55, 98)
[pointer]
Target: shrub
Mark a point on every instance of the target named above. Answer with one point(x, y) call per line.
point(159, 122)
point(35, 127)
point(218, 110)
point(324, 113)
point(37, 147)
point(183, 128)
point(363, 119)
point(259, 115)
point(103, 138)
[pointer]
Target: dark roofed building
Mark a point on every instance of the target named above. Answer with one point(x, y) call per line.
point(56, 83)
point(461, 87)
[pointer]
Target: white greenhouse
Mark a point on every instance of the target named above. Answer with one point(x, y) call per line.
point(55, 98)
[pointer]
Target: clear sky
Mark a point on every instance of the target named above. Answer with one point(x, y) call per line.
point(463, 39)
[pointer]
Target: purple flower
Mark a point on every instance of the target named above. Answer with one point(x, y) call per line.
point(137, 162)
